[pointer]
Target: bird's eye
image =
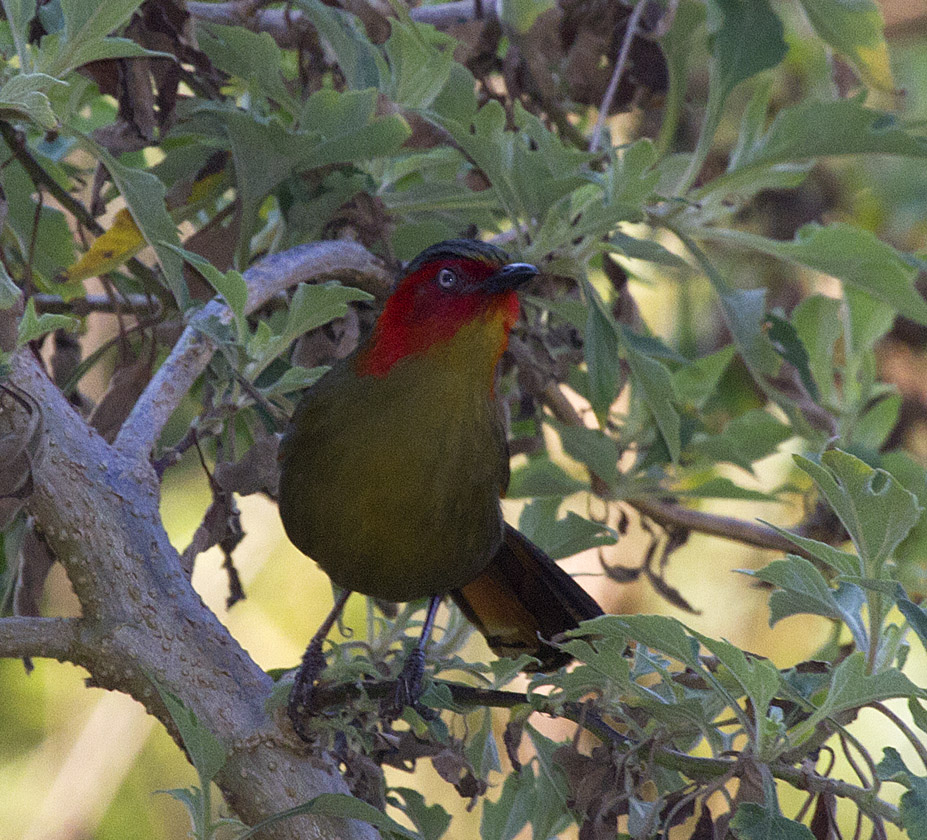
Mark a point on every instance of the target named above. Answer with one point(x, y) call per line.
point(446, 278)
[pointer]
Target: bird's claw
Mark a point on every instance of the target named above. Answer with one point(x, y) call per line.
point(299, 706)
point(409, 686)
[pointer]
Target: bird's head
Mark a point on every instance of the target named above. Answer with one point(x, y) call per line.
point(449, 285)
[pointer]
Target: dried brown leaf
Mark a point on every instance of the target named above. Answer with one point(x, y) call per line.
point(35, 562)
point(125, 387)
point(704, 826)
point(256, 472)
point(824, 820)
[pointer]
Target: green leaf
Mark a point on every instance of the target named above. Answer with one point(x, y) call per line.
point(802, 589)
point(358, 59)
point(342, 127)
point(481, 748)
point(90, 21)
point(755, 822)
point(869, 320)
point(913, 802)
point(842, 561)
point(562, 537)
point(745, 314)
point(759, 678)
point(818, 324)
point(552, 813)
point(339, 805)
point(601, 351)
point(251, 56)
point(312, 306)
point(854, 28)
point(745, 440)
point(915, 616)
point(144, 196)
point(9, 291)
point(876, 423)
point(520, 15)
point(509, 814)
point(875, 509)
point(541, 477)
point(350, 129)
point(852, 255)
point(32, 326)
point(530, 169)
point(591, 447)
point(316, 304)
point(785, 340)
point(420, 60)
point(53, 233)
point(815, 129)
point(20, 13)
point(718, 487)
point(206, 751)
point(851, 687)
point(746, 39)
point(431, 821)
point(656, 390)
point(645, 249)
point(84, 38)
point(913, 548)
point(696, 382)
point(231, 285)
point(662, 633)
point(295, 378)
point(25, 95)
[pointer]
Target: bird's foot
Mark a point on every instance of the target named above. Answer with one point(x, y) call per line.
point(409, 687)
point(299, 706)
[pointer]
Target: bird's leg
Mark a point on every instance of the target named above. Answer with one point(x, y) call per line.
point(311, 667)
point(409, 683)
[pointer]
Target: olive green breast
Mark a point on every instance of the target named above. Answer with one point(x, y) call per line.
point(392, 483)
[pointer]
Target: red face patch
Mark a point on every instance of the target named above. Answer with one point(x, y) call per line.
point(424, 311)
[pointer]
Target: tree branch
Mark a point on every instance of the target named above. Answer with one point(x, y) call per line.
point(39, 177)
point(286, 25)
point(695, 767)
point(620, 62)
point(54, 638)
point(98, 511)
point(750, 533)
point(341, 260)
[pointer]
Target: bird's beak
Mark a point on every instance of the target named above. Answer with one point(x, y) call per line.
point(509, 277)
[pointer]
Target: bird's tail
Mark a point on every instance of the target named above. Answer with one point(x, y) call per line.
point(523, 598)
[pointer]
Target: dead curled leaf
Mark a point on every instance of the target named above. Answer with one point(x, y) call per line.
point(21, 449)
point(35, 562)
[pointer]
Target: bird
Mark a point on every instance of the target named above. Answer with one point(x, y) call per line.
point(394, 463)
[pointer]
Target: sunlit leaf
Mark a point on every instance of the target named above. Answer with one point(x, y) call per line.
point(876, 510)
point(120, 242)
point(854, 28)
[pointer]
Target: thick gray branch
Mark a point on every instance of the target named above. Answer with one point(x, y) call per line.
point(285, 26)
point(337, 260)
point(98, 512)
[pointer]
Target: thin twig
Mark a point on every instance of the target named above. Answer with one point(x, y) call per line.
point(908, 733)
point(191, 354)
point(76, 208)
point(739, 530)
point(612, 89)
point(695, 767)
point(139, 305)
